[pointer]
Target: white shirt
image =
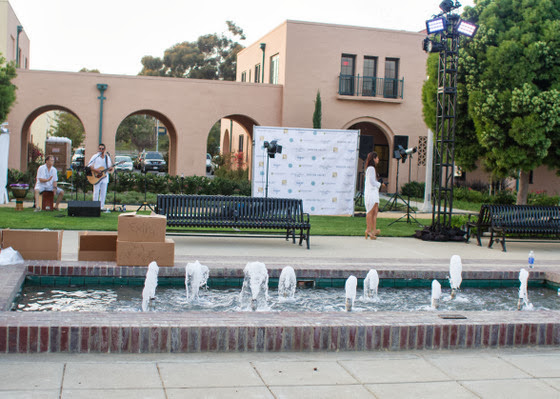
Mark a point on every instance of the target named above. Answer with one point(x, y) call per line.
point(97, 162)
point(44, 173)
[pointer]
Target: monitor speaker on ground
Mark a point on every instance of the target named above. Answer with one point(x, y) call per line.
point(402, 141)
point(84, 208)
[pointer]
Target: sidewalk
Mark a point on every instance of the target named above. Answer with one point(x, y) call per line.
point(492, 374)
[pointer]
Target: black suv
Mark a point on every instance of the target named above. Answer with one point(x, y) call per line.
point(152, 161)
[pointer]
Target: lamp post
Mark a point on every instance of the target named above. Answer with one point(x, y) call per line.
point(263, 47)
point(101, 87)
point(19, 30)
point(445, 31)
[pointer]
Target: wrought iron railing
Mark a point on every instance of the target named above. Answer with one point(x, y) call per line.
point(370, 86)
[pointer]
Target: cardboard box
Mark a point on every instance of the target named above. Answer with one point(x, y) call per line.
point(142, 253)
point(34, 244)
point(142, 228)
point(97, 246)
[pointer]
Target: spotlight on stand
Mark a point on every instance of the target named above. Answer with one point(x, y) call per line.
point(432, 46)
point(448, 5)
point(436, 25)
point(401, 153)
point(273, 148)
point(466, 28)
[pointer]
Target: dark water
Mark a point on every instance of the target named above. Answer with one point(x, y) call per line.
point(172, 299)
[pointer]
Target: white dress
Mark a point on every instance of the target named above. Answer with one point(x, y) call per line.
point(371, 189)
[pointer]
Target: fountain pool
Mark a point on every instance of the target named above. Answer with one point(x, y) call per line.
point(173, 299)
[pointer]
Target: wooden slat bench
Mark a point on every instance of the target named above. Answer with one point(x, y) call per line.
point(527, 221)
point(236, 212)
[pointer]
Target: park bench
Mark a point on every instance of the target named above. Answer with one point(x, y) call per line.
point(236, 212)
point(525, 221)
point(481, 224)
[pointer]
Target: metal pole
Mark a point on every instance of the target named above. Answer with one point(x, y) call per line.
point(157, 135)
point(101, 87)
point(263, 47)
point(19, 30)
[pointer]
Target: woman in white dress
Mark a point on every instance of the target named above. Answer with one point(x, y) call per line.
point(371, 196)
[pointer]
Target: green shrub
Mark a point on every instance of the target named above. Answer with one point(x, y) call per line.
point(503, 197)
point(542, 199)
point(413, 189)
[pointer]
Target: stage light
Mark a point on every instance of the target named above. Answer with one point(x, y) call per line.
point(446, 5)
point(436, 25)
point(273, 148)
point(431, 46)
point(466, 28)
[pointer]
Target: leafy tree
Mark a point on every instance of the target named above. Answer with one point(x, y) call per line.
point(7, 88)
point(317, 114)
point(138, 130)
point(212, 56)
point(510, 74)
point(67, 125)
point(89, 70)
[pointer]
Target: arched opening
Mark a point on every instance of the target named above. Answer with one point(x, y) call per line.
point(236, 136)
point(372, 138)
point(148, 131)
point(43, 123)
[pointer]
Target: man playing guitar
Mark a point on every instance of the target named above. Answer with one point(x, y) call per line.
point(98, 165)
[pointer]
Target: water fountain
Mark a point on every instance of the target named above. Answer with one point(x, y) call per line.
point(254, 292)
point(523, 295)
point(150, 284)
point(436, 293)
point(371, 283)
point(350, 288)
point(455, 271)
point(196, 276)
point(287, 283)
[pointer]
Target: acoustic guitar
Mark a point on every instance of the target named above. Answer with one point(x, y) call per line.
point(94, 178)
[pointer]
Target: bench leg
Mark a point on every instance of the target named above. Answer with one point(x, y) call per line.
point(478, 239)
point(503, 242)
point(491, 242)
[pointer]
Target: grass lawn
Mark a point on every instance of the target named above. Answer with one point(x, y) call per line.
point(320, 225)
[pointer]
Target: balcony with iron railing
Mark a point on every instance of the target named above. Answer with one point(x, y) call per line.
point(370, 87)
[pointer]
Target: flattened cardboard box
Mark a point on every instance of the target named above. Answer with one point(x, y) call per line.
point(34, 244)
point(142, 228)
point(97, 245)
point(142, 253)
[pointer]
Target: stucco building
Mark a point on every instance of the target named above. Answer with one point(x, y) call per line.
point(368, 79)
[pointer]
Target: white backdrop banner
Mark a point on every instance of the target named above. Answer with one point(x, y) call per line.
point(316, 165)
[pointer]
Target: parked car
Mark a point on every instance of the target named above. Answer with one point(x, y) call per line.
point(152, 161)
point(210, 166)
point(126, 165)
point(78, 158)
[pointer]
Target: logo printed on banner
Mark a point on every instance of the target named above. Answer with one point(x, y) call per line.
point(334, 174)
point(335, 199)
point(335, 149)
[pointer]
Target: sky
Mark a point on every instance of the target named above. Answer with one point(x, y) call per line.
point(113, 35)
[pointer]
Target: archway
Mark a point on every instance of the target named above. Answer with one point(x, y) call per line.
point(163, 137)
point(373, 137)
point(237, 140)
point(28, 143)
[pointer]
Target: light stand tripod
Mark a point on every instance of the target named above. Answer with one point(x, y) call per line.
point(407, 215)
point(115, 175)
point(393, 202)
point(145, 204)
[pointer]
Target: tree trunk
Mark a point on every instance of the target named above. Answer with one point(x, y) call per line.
point(523, 190)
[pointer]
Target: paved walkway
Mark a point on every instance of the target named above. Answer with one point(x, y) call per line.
point(492, 374)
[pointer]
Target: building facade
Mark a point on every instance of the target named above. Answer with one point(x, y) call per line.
point(368, 79)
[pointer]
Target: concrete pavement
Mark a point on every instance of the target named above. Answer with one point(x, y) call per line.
point(491, 374)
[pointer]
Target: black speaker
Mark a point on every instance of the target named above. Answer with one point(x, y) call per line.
point(366, 146)
point(84, 208)
point(402, 141)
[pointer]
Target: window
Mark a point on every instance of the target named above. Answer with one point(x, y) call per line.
point(346, 82)
point(370, 74)
point(390, 89)
point(258, 73)
point(244, 76)
point(240, 143)
point(249, 76)
point(274, 68)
